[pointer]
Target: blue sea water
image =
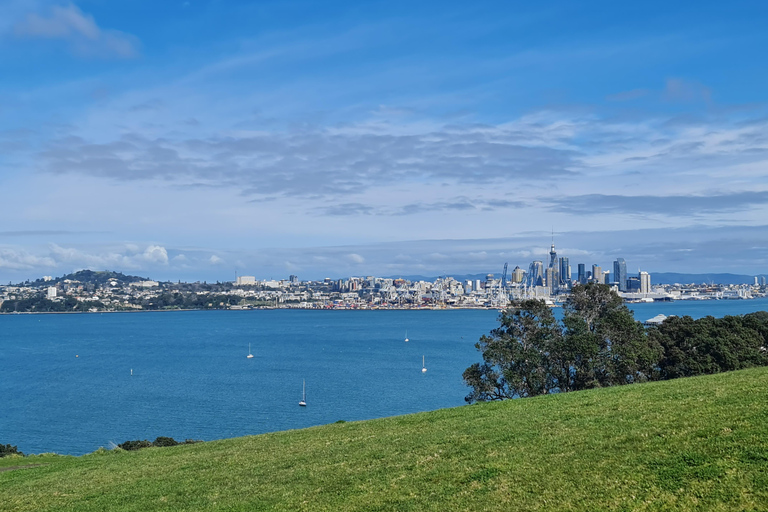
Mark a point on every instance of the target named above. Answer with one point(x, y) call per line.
point(66, 383)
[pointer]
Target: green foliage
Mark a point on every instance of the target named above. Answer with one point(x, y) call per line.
point(600, 344)
point(711, 345)
point(8, 450)
point(134, 445)
point(42, 304)
point(603, 344)
point(516, 354)
point(165, 441)
point(159, 442)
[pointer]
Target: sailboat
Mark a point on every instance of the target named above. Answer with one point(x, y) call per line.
point(406, 336)
point(423, 367)
point(249, 356)
point(303, 402)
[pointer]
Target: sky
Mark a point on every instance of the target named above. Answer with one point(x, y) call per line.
point(192, 140)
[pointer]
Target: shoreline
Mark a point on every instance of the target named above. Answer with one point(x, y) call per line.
point(344, 308)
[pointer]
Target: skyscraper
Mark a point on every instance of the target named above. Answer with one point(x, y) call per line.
point(597, 274)
point(582, 273)
point(536, 274)
point(645, 282)
point(565, 271)
point(620, 273)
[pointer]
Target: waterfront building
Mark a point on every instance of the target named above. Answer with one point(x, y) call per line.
point(517, 275)
point(645, 282)
point(582, 273)
point(620, 273)
point(633, 285)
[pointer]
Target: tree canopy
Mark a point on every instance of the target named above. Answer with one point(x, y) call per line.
point(599, 343)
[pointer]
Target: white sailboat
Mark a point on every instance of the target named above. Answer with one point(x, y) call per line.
point(303, 402)
point(423, 367)
point(406, 336)
point(249, 356)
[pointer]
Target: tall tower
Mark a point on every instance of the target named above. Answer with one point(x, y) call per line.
point(597, 274)
point(645, 282)
point(620, 273)
point(582, 274)
point(553, 257)
point(536, 274)
point(565, 271)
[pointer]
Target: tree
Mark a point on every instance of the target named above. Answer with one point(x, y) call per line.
point(516, 356)
point(599, 343)
point(710, 345)
point(604, 344)
point(8, 449)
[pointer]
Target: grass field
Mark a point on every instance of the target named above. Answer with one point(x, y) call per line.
point(690, 444)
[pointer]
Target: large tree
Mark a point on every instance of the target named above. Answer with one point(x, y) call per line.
point(604, 345)
point(516, 356)
point(599, 343)
point(711, 345)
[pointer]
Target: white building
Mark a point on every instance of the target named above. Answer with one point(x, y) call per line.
point(245, 280)
point(51, 292)
point(645, 282)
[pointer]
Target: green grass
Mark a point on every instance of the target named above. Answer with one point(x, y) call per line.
point(690, 444)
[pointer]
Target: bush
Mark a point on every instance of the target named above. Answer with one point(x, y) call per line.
point(7, 449)
point(159, 442)
point(165, 441)
point(135, 445)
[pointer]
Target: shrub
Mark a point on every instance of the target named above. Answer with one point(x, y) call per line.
point(7, 449)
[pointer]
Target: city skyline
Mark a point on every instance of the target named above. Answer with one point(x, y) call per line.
point(196, 139)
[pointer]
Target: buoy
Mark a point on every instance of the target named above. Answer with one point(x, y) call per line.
point(77, 356)
point(131, 371)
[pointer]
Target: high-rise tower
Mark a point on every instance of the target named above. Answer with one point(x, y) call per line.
point(620, 273)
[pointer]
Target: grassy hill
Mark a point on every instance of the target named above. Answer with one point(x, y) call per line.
point(690, 444)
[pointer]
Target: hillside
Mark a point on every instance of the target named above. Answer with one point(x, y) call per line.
point(699, 443)
point(98, 278)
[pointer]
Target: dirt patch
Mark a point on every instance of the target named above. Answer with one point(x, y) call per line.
point(11, 468)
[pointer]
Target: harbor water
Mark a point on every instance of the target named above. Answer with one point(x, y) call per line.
point(71, 383)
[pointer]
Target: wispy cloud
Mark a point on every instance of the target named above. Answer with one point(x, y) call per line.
point(68, 23)
point(688, 205)
point(314, 163)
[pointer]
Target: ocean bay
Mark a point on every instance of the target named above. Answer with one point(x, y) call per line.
point(67, 385)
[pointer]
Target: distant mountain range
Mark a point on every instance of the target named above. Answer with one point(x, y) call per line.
point(674, 277)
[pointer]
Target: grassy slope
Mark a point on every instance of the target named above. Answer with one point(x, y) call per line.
point(689, 444)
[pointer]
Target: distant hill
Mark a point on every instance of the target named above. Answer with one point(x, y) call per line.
point(92, 277)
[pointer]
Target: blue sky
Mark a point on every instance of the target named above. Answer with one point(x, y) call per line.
point(192, 139)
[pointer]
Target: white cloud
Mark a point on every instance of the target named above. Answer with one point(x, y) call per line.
point(156, 254)
point(215, 260)
point(115, 258)
point(356, 258)
point(17, 259)
point(70, 24)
